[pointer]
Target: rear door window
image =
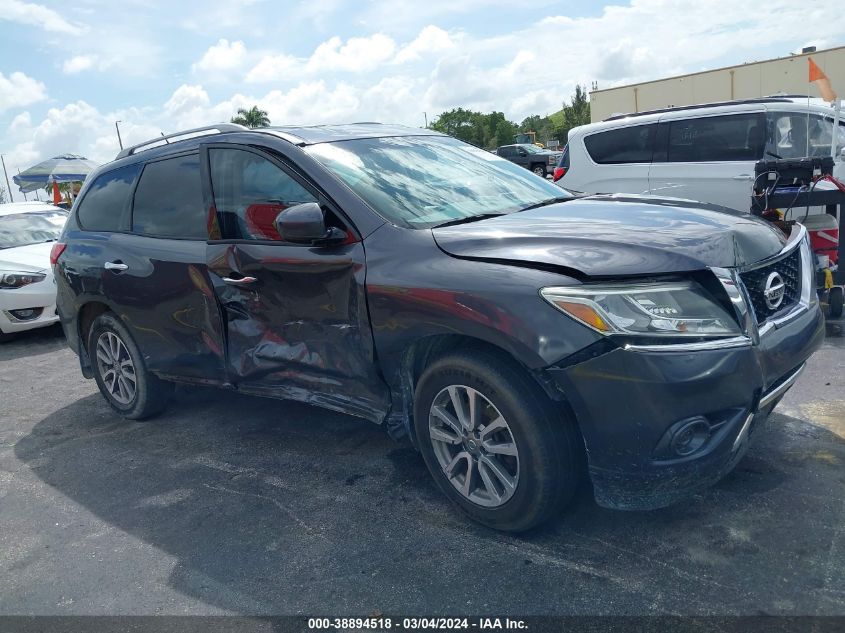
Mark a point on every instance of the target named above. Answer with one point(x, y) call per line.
point(800, 134)
point(106, 202)
point(250, 191)
point(632, 144)
point(734, 137)
point(168, 201)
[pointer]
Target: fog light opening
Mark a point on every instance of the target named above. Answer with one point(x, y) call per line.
point(25, 314)
point(689, 438)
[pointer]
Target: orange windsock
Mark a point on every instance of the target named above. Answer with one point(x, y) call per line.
point(818, 77)
point(57, 195)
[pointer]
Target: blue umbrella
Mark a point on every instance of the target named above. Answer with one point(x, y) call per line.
point(64, 168)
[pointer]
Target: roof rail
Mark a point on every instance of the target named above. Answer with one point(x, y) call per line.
point(219, 128)
point(699, 106)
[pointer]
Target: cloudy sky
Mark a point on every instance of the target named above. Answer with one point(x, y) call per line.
point(70, 69)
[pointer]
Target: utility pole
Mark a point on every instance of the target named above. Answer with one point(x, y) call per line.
point(8, 186)
point(119, 141)
point(425, 114)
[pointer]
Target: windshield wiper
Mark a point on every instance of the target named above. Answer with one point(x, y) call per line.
point(546, 202)
point(469, 218)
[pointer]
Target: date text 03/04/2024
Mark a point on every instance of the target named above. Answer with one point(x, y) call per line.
point(411, 623)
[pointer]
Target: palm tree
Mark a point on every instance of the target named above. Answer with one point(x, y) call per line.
point(252, 117)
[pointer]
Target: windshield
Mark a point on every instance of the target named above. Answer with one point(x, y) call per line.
point(421, 181)
point(21, 229)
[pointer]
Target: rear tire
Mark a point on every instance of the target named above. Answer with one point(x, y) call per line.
point(120, 372)
point(516, 461)
point(835, 302)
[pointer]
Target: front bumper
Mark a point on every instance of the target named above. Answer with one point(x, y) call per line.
point(628, 400)
point(41, 295)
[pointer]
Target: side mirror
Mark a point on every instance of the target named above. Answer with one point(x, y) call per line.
point(305, 224)
point(842, 154)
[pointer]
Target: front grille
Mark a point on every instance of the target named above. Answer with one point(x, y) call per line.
point(789, 268)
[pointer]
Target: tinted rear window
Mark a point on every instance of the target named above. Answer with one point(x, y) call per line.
point(717, 138)
point(633, 144)
point(105, 203)
point(564, 158)
point(168, 201)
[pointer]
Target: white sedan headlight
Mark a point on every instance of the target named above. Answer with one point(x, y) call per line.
point(17, 279)
point(670, 309)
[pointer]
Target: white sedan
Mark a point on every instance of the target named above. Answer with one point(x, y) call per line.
point(27, 289)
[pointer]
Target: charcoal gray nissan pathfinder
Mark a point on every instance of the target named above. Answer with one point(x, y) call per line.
point(520, 336)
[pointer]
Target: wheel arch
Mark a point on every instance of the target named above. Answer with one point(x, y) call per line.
point(424, 351)
point(86, 316)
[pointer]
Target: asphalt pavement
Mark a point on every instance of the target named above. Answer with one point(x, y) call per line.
point(229, 504)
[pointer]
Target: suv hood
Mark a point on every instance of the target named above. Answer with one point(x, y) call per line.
point(617, 235)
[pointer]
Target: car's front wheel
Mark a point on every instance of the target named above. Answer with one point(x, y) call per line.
point(120, 372)
point(494, 442)
point(540, 170)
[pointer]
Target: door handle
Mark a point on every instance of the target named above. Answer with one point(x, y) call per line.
point(117, 266)
point(242, 281)
point(742, 177)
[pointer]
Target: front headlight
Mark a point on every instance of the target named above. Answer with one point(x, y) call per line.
point(16, 279)
point(647, 309)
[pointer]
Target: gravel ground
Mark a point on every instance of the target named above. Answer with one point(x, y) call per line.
point(228, 504)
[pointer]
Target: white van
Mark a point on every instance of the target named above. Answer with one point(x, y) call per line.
point(704, 153)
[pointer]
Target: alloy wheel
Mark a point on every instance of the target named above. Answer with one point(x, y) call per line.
point(474, 445)
point(116, 367)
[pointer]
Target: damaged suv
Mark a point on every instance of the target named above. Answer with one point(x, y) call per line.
point(521, 337)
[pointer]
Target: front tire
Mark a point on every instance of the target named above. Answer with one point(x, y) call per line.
point(120, 372)
point(494, 442)
point(539, 170)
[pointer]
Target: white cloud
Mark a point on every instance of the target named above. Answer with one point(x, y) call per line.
point(432, 39)
point(78, 63)
point(223, 56)
point(186, 98)
point(274, 68)
point(357, 55)
point(24, 119)
point(37, 15)
point(17, 90)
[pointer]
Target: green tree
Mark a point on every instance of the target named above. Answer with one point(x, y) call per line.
point(504, 133)
point(251, 118)
point(482, 130)
point(572, 115)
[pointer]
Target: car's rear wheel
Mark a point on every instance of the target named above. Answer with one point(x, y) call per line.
point(835, 302)
point(494, 442)
point(540, 170)
point(120, 372)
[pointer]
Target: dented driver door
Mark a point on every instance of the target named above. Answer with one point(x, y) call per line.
point(296, 318)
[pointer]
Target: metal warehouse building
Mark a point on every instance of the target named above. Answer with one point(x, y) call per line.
point(787, 75)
